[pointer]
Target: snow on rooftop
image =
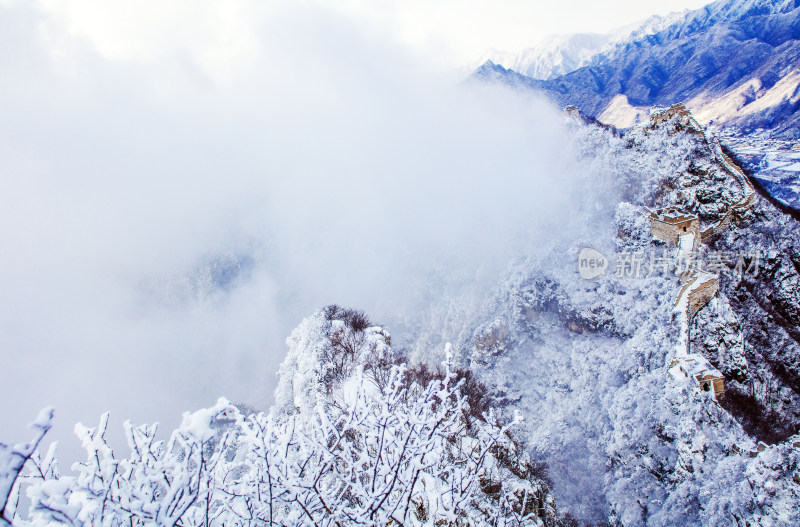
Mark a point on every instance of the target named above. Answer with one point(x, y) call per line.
point(696, 366)
point(676, 372)
point(671, 214)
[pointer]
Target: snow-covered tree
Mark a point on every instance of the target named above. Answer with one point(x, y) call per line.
point(342, 449)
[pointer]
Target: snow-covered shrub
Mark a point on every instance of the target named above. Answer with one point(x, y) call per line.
point(12, 460)
point(492, 339)
point(324, 351)
point(678, 458)
point(475, 393)
point(633, 227)
point(413, 451)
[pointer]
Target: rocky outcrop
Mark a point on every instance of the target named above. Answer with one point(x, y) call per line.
point(767, 304)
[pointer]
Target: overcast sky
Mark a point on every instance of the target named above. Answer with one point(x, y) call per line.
point(181, 182)
point(450, 32)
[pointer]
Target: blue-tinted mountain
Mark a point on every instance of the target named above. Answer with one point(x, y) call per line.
point(733, 63)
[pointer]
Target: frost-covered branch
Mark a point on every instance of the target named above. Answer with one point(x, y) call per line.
point(13, 459)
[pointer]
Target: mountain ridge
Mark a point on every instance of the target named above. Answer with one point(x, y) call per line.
point(734, 63)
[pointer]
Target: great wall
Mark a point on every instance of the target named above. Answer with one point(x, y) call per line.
point(683, 230)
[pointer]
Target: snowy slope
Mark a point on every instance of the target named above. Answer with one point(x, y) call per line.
point(362, 433)
point(775, 163)
point(586, 361)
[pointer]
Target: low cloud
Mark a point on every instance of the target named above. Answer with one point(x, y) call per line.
point(165, 221)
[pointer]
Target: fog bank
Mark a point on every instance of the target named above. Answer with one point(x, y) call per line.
point(167, 218)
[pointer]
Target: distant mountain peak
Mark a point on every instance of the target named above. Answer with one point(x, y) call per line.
point(732, 62)
point(559, 54)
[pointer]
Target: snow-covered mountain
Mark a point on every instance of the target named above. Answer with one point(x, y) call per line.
point(557, 55)
point(733, 63)
point(554, 56)
point(586, 361)
point(561, 401)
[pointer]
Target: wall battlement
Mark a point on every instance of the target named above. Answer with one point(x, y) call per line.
point(668, 225)
point(662, 115)
point(683, 231)
point(697, 367)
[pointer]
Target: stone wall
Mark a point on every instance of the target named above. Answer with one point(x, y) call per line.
point(715, 384)
point(700, 296)
point(670, 232)
point(663, 115)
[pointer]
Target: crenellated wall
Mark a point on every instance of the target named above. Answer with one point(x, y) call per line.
point(698, 287)
point(701, 295)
